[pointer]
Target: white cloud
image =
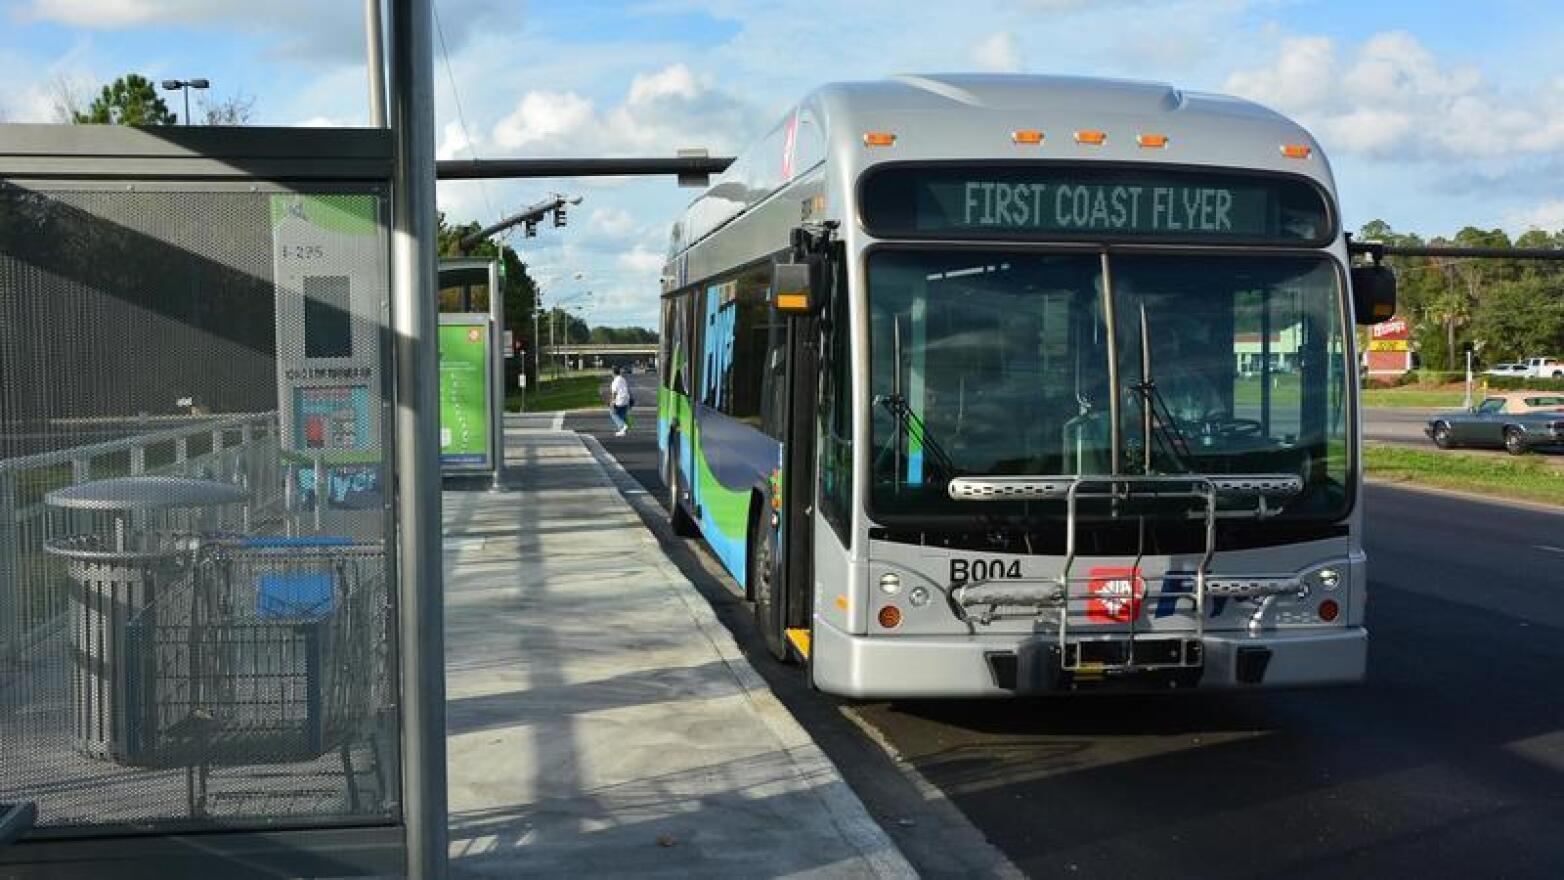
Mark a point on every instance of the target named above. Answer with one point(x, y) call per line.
point(542, 117)
point(997, 53)
point(1392, 97)
point(611, 221)
point(642, 259)
point(662, 111)
point(310, 30)
point(1548, 216)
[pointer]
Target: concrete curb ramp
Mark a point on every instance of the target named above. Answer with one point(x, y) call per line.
point(601, 720)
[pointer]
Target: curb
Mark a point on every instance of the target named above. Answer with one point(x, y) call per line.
point(1410, 486)
point(847, 811)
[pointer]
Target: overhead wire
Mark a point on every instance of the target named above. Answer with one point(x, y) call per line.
point(461, 115)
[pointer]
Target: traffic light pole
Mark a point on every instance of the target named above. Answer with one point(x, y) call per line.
point(530, 216)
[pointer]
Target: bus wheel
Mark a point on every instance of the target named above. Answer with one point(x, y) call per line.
point(761, 576)
point(683, 524)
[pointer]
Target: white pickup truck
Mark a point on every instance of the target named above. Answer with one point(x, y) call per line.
point(1544, 368)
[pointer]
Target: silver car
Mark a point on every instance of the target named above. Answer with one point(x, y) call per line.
point(1516, 422)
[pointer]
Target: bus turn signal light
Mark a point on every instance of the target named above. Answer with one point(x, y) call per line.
point(1027, 136)
point(1296, 151)
point(1092, 137)
point(1152, 141)
point(1328, 610)
point(793, 302)
point(890, 617)
point(878, 139)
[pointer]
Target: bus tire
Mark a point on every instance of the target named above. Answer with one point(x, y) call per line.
point(682, 523)
point(761, 576)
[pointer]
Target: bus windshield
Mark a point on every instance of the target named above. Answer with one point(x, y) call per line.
point(988, 363)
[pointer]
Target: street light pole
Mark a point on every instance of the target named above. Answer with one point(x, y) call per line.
point(185, 85)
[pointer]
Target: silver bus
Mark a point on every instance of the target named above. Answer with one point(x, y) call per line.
point(998, 385)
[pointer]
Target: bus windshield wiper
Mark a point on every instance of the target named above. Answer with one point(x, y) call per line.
point(1157, 419)
point(942, 466)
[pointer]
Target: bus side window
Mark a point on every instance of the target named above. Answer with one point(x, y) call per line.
point(836, 415)
point(773, 409)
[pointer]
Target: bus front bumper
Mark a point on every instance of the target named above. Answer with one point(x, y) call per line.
point(887, 667)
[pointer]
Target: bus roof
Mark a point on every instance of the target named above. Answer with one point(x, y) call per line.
point(972, 117)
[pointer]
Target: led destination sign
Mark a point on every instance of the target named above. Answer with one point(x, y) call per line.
point(1072, 203)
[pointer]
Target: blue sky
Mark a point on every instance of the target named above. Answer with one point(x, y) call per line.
point(1435, 115)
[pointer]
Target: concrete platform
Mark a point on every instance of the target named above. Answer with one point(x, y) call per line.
point(601, 721)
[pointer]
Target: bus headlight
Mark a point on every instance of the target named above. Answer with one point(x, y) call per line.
point(1324, 578)
point(918, 596)
point(890, 583)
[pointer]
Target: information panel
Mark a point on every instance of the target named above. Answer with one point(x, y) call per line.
point(1074, 202)
point(465, 354)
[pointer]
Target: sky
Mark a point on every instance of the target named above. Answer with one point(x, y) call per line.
point(1435, 115)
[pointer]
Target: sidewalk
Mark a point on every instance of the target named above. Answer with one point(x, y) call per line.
point(601, 722)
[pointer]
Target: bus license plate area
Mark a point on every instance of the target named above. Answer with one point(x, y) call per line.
point(1043, 665)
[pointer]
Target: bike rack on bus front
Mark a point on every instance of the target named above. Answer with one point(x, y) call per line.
point(1122, 492)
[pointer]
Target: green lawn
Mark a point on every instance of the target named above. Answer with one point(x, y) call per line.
point(574, 391)
point(1528, 477)
point(1418, 396)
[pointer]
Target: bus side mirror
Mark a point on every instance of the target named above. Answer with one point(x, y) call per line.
point(794, 289)
point(1373, 294)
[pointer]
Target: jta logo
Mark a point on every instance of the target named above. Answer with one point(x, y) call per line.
point(1115, 594)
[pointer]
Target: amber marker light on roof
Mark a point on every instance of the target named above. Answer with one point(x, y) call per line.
point(878, 139)
point(1092, 137)
point(1296, 151)
point(1152, 141)
point(1027, 136)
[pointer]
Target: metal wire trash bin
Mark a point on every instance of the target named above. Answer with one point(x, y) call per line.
point(274, 654)
point(145, 548)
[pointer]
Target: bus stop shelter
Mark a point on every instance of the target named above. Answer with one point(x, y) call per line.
point(220, 616)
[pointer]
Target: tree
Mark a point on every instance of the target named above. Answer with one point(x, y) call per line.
point(129, 100)
point(232, 110)
point(1520, 318)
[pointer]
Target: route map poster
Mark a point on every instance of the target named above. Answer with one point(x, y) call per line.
point(464, 395)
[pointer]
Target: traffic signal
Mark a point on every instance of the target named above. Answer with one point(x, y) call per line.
point(559, 216)
point(532, 229)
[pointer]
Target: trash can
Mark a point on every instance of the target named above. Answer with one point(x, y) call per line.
point(116, 576)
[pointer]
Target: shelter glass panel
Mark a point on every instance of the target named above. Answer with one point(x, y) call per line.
point(196, 603)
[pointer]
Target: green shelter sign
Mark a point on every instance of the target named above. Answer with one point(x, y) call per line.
point(464, 395)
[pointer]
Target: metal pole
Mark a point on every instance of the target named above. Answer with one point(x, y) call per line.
point(497, 372)
point(1109, 318)
point(1468, 403)
point(186, 90)
point(421, 609)
point(376, 63)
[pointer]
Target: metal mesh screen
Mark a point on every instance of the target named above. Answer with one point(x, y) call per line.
point(195, 589)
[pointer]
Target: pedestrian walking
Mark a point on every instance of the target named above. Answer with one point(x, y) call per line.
point(619, 401)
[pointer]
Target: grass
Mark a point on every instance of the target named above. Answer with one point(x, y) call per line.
point(1526, 478)
point(1426, 396)
point(574, 391)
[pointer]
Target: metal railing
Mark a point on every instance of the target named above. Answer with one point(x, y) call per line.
point(240, 449)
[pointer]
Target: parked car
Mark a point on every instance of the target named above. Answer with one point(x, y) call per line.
point(1506, 370)
point(1516, 422)
point(1544, 368)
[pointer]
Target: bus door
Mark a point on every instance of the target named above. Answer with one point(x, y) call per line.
point(789, 396)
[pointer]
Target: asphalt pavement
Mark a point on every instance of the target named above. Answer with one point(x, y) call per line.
point(1447, 762)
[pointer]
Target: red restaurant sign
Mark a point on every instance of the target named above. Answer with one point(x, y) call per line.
point(1395, 328)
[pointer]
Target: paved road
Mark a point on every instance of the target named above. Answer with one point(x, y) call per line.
point(1449, 762)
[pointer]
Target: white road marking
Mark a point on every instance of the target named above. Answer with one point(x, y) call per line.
point(559, 421)
point(1558, 550)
